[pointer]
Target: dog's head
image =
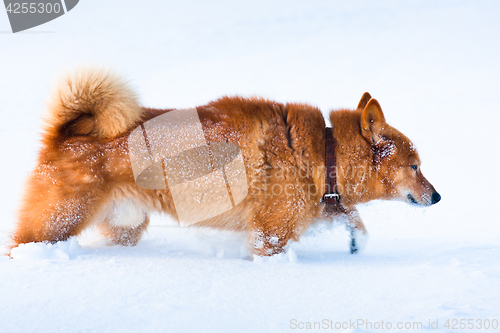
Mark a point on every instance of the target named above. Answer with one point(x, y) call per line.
point(395, 158)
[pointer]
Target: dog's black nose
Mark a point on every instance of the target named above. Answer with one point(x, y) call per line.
point(435, 197)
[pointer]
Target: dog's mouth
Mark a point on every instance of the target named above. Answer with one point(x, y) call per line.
point(412, 200)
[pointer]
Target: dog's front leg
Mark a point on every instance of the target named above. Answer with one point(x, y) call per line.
point(267, 242)
point(357, 230)
point(272, 229)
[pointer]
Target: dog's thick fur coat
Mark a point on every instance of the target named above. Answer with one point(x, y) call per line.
point(84, 176)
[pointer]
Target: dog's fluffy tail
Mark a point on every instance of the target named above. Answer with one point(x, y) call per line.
point(92, 102)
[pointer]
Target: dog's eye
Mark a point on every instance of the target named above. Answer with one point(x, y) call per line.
point(414, 167)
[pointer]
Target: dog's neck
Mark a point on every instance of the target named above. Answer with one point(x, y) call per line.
point(331, 196)
point(357, 180)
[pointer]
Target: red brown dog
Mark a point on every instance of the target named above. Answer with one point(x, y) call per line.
point(84, 176)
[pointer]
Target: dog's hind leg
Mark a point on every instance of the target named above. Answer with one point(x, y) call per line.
point(124, 223)
point(357, 230)
point(54, 214)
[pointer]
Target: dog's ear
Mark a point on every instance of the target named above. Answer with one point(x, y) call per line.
point(364, 100)
point(372, 121)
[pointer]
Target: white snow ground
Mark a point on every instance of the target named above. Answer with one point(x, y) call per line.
point(433, 65)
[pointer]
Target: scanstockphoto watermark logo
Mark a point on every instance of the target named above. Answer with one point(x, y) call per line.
point(205, 179)
point(25, 15)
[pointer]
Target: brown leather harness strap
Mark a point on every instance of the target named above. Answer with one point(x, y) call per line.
point(331, 196)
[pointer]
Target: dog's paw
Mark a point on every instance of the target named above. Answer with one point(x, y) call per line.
point(358, 242)
point(283, 257)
